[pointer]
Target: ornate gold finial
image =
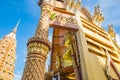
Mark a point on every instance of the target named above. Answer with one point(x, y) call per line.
point(98, 17)
point(78, 4)
point(68, 4)
point(111, 31)
point(73, 5)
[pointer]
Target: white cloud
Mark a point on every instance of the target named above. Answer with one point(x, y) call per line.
point(118, 39)
point(17, 77)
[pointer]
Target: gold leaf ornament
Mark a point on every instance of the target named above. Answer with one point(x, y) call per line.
point(52, 16)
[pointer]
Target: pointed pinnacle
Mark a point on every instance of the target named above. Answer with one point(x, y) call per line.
point(15, 29)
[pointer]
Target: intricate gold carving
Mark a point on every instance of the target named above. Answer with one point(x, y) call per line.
point(47, 8)
point(111, 31)
point(38, 48)
point(58, 62)
point(52, 16)
point(7, 56)
point(98, 17)
point(73, 5)
point(34, 67)
point(66, 19)
point(67, 56)
point(43, 26)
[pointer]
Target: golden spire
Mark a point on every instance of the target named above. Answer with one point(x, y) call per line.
point(8, 55)
point(13, 32)
point(15, 29)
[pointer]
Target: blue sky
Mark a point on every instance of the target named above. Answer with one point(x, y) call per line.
point(29, 12)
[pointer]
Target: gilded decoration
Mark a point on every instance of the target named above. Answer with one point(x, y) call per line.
point(81, 54)
point(64, 18)
point(58, 62)
point(8, 55)
point(67, 56)
point(98, 17)
point(38, 47)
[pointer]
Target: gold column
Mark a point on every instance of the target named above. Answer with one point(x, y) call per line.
point(38, 47)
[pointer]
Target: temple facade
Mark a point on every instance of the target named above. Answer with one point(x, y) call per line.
point(81, 49)
point(8, 55)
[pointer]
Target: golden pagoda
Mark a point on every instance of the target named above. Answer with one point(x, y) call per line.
point(81, 49)
point(8, 55)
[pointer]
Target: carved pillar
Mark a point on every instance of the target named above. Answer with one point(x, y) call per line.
point(38, 47)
